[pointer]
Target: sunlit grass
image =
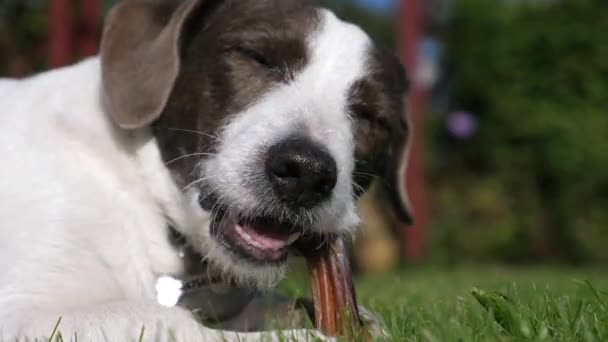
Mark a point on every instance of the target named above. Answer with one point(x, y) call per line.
point(538, 304)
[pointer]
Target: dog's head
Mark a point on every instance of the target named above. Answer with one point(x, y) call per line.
point(273, 114)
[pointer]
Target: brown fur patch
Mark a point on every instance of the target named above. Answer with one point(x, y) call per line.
point(377, 104)
point(230, 58)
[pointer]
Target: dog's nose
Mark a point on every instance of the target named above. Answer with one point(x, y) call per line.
point(302, 173)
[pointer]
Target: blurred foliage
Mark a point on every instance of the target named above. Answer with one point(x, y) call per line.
point(22, 33)
point(533, 182)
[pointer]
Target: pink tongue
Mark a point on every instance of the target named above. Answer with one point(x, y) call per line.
point(266, 240)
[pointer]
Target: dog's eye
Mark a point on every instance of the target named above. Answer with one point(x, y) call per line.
point(258, 58)
point(367, 120)
point(383, 124)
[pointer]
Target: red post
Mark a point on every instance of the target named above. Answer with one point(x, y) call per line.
point(72, 35)
point(411, 23)
point(60, 33)
point(88, 35)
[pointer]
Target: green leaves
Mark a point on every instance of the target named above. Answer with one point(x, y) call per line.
point(507, 304)
point(535, 75)
point(580, 316)
point(504, 310)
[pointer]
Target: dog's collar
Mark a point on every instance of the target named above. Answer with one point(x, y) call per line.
point(199, 288)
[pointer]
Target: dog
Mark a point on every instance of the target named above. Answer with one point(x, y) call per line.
point(209, 136)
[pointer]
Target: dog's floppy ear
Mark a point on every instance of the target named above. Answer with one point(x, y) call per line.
point(140, 57)
point(394, 185)
point(397, 150)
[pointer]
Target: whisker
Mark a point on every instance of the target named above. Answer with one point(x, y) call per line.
point(189, 155)
point(210, 193)
point(193, 131)
point(383, 180)
point(358, 173)
point(198, 181)
point(217, 234)
point(358, 187)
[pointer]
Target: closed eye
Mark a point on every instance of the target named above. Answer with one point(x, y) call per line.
point(366, 115)
point(362, 112)
point(383, 124)
point(258, 58)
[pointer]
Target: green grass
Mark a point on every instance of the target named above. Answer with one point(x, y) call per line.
point(536, 304)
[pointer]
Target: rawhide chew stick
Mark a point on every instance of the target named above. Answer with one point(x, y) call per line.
point(333, 292)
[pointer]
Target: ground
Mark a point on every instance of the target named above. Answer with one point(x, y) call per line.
point(485, 304)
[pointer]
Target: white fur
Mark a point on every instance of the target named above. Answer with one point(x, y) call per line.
point(83, 204)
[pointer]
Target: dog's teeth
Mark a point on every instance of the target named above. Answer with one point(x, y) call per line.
point(293, 237)
point(246, 236)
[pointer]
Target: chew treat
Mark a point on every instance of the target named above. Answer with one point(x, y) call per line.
point(335, 304)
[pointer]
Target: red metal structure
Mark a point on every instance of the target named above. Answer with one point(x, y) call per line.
point(73, 30)
point(410, 26)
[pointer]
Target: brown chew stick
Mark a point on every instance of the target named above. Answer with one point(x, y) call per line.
point(333, 292)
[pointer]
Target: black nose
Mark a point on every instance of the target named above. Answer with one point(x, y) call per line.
point(302, 173)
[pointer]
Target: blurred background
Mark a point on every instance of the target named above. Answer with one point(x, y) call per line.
point(509, 103)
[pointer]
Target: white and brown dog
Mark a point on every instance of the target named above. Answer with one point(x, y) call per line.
point(243, 128)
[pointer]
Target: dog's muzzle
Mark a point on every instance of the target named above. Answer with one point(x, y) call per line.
point(298, 176)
